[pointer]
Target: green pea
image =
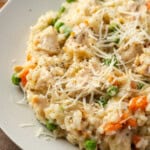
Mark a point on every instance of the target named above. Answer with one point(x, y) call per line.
point(51, 126)
point(61, 10)
point(70, 1)
point(90, 145)
point(67, 31)
point(113, 27)
point(116, 40)
point(112, 90)
point(15, 79)
point(108, 61)
point(54, 21)
point(103, 100)
point(140, 86)
point(58, 24)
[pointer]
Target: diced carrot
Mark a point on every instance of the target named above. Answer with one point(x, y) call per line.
point(136, 139)
point(148, 5)
point(116, 83)
point(129, 122)
point(143, 103)
point(132, 122)
point(123, 122)
point(23, 76)
point(139, 102)
point(125, 116)
point(133, 105)
point(24, 73)
point(112, 127)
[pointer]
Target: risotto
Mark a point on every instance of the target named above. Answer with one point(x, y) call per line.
point(87, 73)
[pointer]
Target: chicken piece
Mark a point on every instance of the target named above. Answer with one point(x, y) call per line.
point(83, 79)
point(79, 43)
point(142, 64)
point(131, 52)
point(39, 80)
point(47, 41)
point(120, 141)
point(39, 103)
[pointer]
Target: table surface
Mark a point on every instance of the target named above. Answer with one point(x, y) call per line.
point(5, 142)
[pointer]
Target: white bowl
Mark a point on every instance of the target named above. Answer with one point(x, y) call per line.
point(15, 19)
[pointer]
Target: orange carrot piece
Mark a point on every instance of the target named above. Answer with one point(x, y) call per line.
point(122, 122)
point(129, 122)
point(143, 103)
point(116, 83)
point(139, 102)
point(112, 127)
point(125, 116)
point(132, 122)
point(23, 76)
point(148, 5)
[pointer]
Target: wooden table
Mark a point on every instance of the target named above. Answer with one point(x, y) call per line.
point(1, 3)
point(5, 142)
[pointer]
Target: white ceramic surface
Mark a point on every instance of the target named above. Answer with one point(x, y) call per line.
point(15, 19)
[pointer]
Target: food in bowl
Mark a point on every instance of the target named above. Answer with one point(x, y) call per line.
point(87, 73)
